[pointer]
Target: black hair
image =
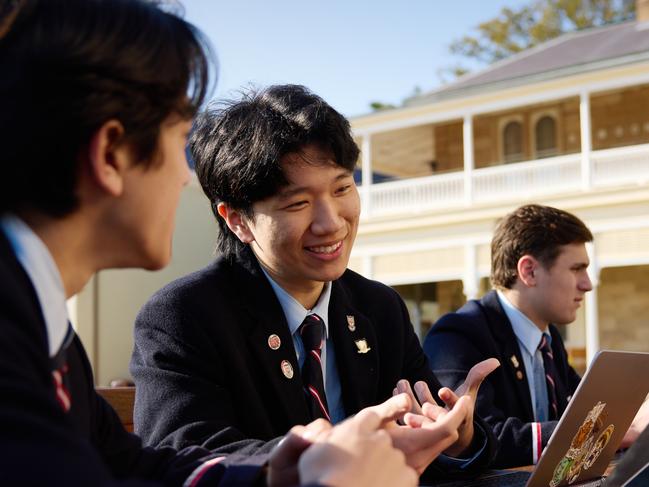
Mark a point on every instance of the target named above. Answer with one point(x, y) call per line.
point(238, 146)
point(67, 67)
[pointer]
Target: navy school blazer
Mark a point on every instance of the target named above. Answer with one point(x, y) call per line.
point(480, 330)
point(206, 375)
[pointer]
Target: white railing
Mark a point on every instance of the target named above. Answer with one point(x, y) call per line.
point(417, 194)
point(522, 180)
point(525, 181)
point(622, 166)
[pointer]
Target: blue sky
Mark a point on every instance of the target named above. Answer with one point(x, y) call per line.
point(349, 52)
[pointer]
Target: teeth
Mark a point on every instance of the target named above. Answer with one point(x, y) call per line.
point(329, 249)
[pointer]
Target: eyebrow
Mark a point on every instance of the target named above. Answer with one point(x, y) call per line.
point(288, 192)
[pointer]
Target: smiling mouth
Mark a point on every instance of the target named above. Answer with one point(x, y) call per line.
point(325, 249)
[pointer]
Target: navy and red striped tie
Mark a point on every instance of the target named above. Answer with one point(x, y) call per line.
point(550, 377)
point(312, 334)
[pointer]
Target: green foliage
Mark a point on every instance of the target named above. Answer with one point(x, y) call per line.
point(513, 31)
point(379, 105)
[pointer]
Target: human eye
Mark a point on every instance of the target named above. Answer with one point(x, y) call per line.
point(343, 189)
point(296, 205)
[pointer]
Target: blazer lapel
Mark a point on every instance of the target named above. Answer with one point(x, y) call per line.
point(512, 361)
point(278, 365)
point(356, 350)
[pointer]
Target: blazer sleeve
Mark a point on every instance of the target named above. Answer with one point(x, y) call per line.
point(43, 445)
point(453, 346)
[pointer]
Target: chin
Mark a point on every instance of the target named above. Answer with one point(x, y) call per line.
point(155, 262)
point(329, 276)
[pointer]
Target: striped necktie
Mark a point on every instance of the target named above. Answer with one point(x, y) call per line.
point(312, 334)
point(550, 377)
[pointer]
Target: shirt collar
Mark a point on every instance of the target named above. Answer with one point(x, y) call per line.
point(294, 311)
point(34, 256)
point(525, 330)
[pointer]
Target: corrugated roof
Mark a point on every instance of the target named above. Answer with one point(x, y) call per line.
point(570, 53)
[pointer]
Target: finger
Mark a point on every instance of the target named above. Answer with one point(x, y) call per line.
point(388, 411)
point(475, 377)
point(433, 411)
point(415, 420)
point(448, 396)
point(403, 386)
point(457, 414)
point(423, 393)
point(314, 430)
point(288, 451)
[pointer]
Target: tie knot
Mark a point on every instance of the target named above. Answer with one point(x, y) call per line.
point(544, 344)
point(312, 332)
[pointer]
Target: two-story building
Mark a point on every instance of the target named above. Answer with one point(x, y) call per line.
point(564, 124)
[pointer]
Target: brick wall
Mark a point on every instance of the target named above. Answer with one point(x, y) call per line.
point(623, 302)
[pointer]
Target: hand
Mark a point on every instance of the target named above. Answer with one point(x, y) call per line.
point(637, 426)
point(282, 466)
point(469, 388)
point(426, 435)
point(358, 452)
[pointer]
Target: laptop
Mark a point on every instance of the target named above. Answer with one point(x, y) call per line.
point(595, 421)
point(633, 469)
point(589, 431)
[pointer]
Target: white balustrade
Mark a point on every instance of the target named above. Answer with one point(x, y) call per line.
point(417, 194)
point(621, 166)
point(527, 180)
point(523, 181)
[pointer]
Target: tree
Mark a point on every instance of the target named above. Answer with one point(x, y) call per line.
point(377, 106)
point(513, 31)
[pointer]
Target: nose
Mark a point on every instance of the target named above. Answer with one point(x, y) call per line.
point(585, 284)
point(327, 218)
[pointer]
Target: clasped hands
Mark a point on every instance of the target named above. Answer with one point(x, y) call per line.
point(370, 448)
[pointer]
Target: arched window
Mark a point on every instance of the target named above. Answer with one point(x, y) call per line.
point(545, 134)
point(513, 142)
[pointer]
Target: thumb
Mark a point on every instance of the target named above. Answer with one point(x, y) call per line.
point(381, 415)
point(288, 451)
point(475, 377)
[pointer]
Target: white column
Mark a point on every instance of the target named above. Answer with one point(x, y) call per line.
point(366, 173)
point(586, 140)
point(592, 313)
point(470, 281)
point(467, 141)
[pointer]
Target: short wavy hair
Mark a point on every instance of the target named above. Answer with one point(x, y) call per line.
point(534, 230)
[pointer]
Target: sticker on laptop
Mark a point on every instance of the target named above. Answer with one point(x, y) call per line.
point(586, 446)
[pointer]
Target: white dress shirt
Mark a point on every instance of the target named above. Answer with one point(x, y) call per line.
point(39, 264)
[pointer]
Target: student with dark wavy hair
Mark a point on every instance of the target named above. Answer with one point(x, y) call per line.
point(227, 355)
point(96, 99)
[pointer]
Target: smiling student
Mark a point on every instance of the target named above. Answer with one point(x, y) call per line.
point(97, 101)
point(277, 331)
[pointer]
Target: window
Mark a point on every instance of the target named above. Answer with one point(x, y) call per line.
point(545, 135)
point(513, 142)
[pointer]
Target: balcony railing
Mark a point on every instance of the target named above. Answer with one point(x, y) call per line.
point(417, 194)
point(626, 166)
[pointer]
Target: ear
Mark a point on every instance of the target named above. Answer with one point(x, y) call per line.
point(108, 157)
point(236, 222)
point(526, 268)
